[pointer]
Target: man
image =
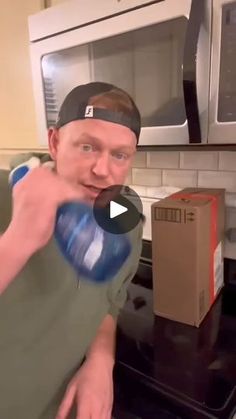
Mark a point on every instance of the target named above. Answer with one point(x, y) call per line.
point(57, 330)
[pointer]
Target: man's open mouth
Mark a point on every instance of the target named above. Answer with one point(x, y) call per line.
point(94, 188)
point(97, 189)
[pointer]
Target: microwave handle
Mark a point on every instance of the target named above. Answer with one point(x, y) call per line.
point(196, 88)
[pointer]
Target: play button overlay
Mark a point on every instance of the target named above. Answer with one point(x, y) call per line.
point(118, 209)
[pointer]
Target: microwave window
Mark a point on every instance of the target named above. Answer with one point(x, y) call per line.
point(147, 63)
point(227, 80)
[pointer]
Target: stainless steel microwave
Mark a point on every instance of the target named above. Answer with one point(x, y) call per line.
point(176, 59)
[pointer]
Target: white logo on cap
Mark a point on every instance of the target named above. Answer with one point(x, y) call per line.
point(89, 111)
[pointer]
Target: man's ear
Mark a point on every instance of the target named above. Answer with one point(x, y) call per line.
point(53, 140)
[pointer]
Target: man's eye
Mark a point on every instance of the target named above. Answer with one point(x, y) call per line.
point(120, 156)
point(86, 148)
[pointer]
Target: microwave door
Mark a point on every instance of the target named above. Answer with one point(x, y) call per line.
point(222, 114)
point(146, 51)
point(73, 14)
point(192, 107)
point(196, 70)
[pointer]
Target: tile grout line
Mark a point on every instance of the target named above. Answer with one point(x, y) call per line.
point(218, 160)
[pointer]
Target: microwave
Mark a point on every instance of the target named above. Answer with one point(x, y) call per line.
point(167, 54)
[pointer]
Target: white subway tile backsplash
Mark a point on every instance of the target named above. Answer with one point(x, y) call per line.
point(161, 191)
point(201, 160)
point(180, 178)
point(227, 160)
point(140, 190)
point(153, 191)
point(128, 179)
point(226, 180)
point(140, 159)
point(179, 169)
point(163, 159)
point(230, 247)
point(230, 199)
point(150, 177)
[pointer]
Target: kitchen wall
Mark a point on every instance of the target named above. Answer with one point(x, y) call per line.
point(18, 122)
point(170, 168)
point(55, 2)
point(183, 169)
point(17, 113)
point(151, 170)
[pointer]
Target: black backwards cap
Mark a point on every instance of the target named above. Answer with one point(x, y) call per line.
point(76, 106)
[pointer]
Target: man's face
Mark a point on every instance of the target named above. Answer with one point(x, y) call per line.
point(94, 154)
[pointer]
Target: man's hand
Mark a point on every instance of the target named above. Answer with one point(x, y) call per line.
point(91, 389)
point(36, 198)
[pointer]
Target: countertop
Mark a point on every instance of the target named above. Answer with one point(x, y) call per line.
point(193, 368)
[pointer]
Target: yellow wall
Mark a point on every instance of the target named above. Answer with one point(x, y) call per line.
point(55, 2)
point(17, 112)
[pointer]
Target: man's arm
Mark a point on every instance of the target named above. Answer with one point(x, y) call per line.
point(35, 201)
point(92, 386)
point(13, 257)
point(103, 346)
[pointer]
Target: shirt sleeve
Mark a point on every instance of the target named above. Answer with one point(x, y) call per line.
point(5, 201)
point(117, 291)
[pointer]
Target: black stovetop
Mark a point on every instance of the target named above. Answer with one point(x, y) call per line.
point(193, 368)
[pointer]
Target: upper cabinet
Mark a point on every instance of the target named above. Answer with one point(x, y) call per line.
point(158, 51)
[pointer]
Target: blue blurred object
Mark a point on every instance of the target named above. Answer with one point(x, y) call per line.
point(95, 254)
point(18, 174)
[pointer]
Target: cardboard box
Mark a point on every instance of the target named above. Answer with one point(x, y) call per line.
point(187, 252)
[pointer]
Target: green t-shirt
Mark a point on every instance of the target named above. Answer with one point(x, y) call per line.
point(48, 318)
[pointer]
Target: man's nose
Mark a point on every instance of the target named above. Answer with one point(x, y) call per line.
point(101, 166)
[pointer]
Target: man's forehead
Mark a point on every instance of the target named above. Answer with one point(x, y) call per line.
point(102, 131)
point(113, 143)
